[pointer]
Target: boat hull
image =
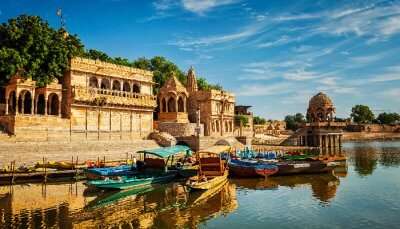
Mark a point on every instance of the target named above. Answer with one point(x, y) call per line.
point(134, 183)
point(251, 169)
point(194, 184)
point(302, 167)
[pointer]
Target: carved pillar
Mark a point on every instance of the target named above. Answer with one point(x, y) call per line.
point(23, 105)
point(59, 108)
point(340, 140)
point(320, 141)
point(45, 106)
point(32, 103)
point(6, 105)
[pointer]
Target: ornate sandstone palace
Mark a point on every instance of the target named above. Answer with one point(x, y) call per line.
point(183, 109)
point(96, 100)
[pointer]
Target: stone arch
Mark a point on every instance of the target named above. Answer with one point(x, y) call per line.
point(116, 85)
point(25, 102)
point(93, 82)
point(126, 87)
point(171, 104)
point(135, 88)
point(53, 104)
point(163, 105)
point(181, 104)
point(41, 105)
point(12, 103)
point(105, 84)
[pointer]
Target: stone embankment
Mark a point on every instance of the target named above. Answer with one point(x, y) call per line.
point(353, 136)
point(30, 152)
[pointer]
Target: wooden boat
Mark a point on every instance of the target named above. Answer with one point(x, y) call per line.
point(153, 170)
point(137, 182)
point(212, 169)
point(251, 168)
point(298, 167)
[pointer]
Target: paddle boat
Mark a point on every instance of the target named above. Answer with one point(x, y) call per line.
point(153, 169)
point(251, 168)
point(212, 170)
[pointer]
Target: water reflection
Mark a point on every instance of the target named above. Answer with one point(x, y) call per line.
point(366, 156)
point(323, 186)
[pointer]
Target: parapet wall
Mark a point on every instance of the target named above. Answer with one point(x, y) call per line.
point(180, 129)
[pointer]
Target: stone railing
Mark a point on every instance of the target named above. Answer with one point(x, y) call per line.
point(96, 96)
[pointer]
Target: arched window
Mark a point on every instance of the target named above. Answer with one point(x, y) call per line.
point(105, 84)
point(53, 104)
point(93, 82)
point(116, 85)
point(217, 126)
point(127, 87)
point(171, 105)
point(181, 105)
point(25, 102)
point(164, 105)
point(12, 103)
point(226, 126)
point(136, 88)
point(41, 105)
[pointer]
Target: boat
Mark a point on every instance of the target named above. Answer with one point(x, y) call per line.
point(122, 170)
point(136, 182)
point(212, 170)
point(251, 168)
point(303, 167)
point(153, 170)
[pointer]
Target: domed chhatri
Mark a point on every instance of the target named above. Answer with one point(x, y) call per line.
point(320, 108)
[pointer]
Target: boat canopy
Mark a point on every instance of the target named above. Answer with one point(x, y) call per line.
point(215, 150)
point(165, 152)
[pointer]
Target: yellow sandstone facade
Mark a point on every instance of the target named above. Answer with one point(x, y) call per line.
point(95, 101)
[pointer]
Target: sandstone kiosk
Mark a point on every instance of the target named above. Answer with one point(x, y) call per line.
point(321, 130)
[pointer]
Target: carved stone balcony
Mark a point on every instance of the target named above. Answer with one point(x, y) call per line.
point(102, 97)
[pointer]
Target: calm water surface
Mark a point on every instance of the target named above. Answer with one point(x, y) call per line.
point(363, 194)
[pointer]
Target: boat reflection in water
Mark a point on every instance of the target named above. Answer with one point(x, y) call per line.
point(323, 186)
point(76, 206)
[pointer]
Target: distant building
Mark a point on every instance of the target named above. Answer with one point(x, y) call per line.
point(248, 128)
point(95, 100)
point(322, 130)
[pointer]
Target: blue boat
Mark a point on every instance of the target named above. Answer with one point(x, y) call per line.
point(153, 170)
point(251, 168)
point(122, 170)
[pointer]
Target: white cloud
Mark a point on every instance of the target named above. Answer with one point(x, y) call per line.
point(301, 75)
point(391, 26)
point(218, 39)
point(260, 89)
point(391, 93)
point(201, 6)
point(282, 40)
point(297, 17)
point(392, 73)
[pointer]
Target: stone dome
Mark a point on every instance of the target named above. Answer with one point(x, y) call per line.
point(320, 100)
point(320, 108)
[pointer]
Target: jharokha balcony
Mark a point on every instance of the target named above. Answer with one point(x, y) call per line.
point(103, 97)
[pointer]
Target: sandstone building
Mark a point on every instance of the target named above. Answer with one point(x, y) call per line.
point(182, 109)
point(95, 101)
point(321, 130)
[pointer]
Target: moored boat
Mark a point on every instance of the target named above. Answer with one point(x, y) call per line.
point(299, 167)
point(153, 170)
point(122, 170)
point(251, 168)
point(212, 170)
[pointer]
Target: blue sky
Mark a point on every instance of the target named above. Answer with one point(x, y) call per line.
point(273, 54)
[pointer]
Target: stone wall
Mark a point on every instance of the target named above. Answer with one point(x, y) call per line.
point(31, 152)
point(374, 128)
point(180, 129)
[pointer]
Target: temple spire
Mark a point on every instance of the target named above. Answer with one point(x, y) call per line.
point(191, 80)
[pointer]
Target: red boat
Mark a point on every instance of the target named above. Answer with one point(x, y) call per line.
point(241, 168)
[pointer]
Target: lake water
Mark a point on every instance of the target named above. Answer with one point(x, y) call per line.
point(363, 194)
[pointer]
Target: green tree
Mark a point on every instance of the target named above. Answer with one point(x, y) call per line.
point(257, 120)
point(31, 48)
point(362, 114)
point(388, 118)
point(294, 122)
point(241, 119)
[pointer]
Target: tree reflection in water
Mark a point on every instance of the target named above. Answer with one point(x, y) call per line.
point(366, 155)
